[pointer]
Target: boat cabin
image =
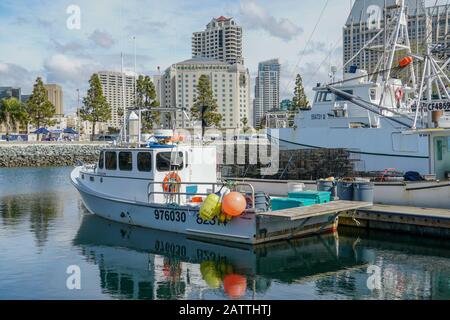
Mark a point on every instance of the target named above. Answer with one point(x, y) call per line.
point(140, 173)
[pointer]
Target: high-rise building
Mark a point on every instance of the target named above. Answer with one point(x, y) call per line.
point(55, 96)
point(267, 89)
point(112, 86)
point(10, 92)
point(360, 28)
point(230, 85)
point(222, 40)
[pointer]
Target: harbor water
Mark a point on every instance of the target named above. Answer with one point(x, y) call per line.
point(46, 233)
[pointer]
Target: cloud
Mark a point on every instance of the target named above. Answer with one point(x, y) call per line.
point(69, 47)
point(256, 17)
point(102, 39)
point(146, 27)
point(16, 76)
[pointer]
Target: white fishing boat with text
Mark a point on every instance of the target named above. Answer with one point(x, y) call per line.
point(163, 186)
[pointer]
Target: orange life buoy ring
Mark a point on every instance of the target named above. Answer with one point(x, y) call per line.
point(171, 182)
point(399, 94)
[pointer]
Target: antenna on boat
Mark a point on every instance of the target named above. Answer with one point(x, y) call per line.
point(124, 125)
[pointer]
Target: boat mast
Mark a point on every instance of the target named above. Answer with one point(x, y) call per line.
point(124, 125)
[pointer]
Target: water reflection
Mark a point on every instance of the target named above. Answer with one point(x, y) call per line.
point(41, 211)
point(150, 264)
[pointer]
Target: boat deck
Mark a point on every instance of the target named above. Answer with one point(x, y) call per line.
point(316, 210)
point(422, 221)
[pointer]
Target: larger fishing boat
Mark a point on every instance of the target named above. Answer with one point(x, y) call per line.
point(381, 120)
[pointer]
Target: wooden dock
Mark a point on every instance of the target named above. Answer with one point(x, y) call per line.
point(303, 221)
point(316, 210)
point(420, 221)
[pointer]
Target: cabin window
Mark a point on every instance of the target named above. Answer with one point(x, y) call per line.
point(339, 98)
point(373, 94)
point(101, 161)
point(167, 161)
point(144, 161)
point(125, 161)
point(327, 97)
point(110, 160)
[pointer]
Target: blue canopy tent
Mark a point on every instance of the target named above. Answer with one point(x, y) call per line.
point(70, 131)
point(41, 131)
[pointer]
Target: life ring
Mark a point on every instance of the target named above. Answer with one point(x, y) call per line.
point(171, 182)
point(399, 94)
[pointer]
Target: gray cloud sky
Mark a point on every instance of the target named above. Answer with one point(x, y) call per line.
point(254, 16)
point(102, 39)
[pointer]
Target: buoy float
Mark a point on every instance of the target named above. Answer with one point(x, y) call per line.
point(234, 204)
point(406, 61)
point(235, 285)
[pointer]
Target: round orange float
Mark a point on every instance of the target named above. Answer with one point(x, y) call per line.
point(235, 285)
point(234, 204)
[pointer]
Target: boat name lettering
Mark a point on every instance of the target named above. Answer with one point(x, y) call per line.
point(436, 105)
point(318, 116)
point(212, 222)
point(170, 215)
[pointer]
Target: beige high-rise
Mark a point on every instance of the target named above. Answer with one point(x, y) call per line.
point(230, 85)
point(55, 96)
point(222, 40)
point(113, 91)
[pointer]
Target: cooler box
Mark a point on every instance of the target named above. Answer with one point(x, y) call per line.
point(317, 196)
point(286, 203)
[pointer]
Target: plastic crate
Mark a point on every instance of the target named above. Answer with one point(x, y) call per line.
point(317, 196)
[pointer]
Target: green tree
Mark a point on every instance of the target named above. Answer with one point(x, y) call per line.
point(146, 101)
point(244, 122)
point(300, 101)
point(12, 113)
point(205, 106)
point(95, 107)
point(40, 110)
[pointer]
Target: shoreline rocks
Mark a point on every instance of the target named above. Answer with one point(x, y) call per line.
point(15, 155)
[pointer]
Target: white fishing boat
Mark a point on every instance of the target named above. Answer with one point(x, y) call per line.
point(165, 186)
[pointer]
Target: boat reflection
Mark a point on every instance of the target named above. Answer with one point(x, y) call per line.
point(138, 263)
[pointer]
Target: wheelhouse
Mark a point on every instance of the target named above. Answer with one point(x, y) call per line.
point(146, 172)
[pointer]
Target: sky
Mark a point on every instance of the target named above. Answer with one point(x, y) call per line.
point(36, 39)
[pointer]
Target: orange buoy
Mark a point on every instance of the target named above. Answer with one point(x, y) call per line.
point(235, 285)
point(406, 61)
point(234, 204)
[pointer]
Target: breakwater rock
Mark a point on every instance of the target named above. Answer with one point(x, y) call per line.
point(47, 154)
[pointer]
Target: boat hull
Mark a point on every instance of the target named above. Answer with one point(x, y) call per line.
point(249, 228)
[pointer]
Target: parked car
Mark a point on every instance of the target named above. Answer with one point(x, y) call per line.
point(108, 138)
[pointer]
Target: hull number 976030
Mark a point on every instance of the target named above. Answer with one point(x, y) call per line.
point(170, 215)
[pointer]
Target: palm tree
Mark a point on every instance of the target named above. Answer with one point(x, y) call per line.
point(12, 113)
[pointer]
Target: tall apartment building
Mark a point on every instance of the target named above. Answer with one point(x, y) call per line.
point(10, 92)
point(55, 96)
point(357, 31)
point(112, 86)
point(267, 89)
point(222, 40)
point(230, 85)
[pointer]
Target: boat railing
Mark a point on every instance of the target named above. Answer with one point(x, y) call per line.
point(214, 186)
